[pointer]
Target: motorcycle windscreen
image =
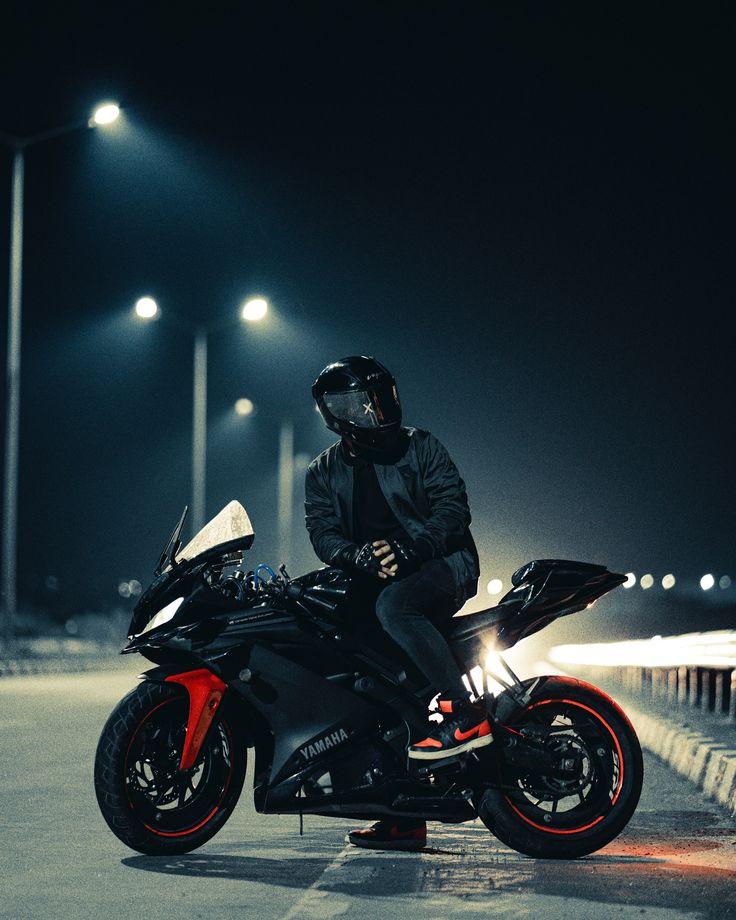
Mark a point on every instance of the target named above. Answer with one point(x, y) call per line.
point(231, 524)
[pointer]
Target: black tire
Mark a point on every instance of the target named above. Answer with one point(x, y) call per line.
point(550, 818)
point(146, 801)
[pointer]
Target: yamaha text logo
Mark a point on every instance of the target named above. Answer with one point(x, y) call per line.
point(324, 744)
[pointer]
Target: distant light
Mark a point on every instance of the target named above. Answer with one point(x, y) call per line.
point(707, 582)
point(254, 309)
point(105, 113)
point(244, 406)
point(495, 586)
point(124, 589)
point(146, 307)
point(707, 649)
point(668, 582)
point(630, 580)
point(646, 581)
point(724, 582)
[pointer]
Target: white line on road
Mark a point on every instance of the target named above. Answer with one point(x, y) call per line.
point(321, 905)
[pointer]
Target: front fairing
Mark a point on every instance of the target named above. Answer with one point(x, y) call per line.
point(163, 590)
point(222, 541)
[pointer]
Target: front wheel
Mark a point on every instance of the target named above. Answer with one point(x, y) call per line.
point(147, 802)
point(589, 797)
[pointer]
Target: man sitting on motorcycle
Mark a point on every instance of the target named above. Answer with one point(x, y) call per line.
point(387, 504)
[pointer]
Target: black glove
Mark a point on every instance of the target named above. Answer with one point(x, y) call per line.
point(409, 555)
point(358, 559)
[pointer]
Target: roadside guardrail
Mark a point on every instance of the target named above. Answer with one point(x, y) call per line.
point(696, 670)
point(680, 694)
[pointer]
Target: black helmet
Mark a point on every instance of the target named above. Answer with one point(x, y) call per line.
point(358, 399)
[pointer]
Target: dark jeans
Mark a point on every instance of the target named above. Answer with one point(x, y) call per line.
point(408, 610)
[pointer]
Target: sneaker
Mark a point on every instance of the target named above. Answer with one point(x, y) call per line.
point(391, 835)
point(465, 726)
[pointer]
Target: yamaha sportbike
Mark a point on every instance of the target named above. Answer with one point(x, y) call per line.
point(254, 660)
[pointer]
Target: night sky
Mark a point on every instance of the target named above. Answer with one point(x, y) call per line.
point(525, 210)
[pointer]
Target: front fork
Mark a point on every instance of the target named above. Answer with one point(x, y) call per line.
point(205, 691)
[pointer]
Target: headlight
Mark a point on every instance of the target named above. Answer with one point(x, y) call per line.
point(163, 616)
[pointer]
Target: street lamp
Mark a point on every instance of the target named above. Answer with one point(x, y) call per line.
point(146, 308)
point(244, 406)
point(102, 115)
point(105, 114)
point(252, 311)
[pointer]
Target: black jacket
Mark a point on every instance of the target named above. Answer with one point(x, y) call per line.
point(423, 489)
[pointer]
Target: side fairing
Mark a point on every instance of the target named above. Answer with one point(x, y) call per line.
point(302, 708)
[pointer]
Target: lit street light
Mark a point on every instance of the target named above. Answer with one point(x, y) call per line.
point(146, 308)
point(244, 406)
point(104, 114)
point(252, 311)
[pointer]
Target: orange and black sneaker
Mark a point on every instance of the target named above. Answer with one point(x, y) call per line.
point(464, 727)
point(391, 834)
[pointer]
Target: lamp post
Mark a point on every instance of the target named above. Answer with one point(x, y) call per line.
point(287, 468)
point(286, 490)
point(104, 114)
point(253, 310)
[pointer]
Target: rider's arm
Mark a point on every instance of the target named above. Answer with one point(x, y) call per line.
point(449, 517)
point(323, 524)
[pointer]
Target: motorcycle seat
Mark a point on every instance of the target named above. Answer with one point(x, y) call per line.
point(541, 568)
point(470, 623)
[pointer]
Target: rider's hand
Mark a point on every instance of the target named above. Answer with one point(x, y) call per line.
point(408, 555)
point(367, 563)
point(385, 555)
point(368, 559)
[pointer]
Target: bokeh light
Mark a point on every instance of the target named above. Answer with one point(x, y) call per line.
point(646, 581)
point(668, 582)
point(707, 582)
point(132, 588)
point(724, 582)
point(495, 586)
point(244, 406)
point(630, 580)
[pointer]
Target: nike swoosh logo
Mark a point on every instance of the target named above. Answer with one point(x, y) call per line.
point(463, 736)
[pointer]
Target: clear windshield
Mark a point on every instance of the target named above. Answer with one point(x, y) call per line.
point(232, 523)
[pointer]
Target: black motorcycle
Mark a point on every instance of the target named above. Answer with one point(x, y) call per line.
point(258, 660)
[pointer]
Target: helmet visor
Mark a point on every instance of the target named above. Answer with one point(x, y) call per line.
point(372, 408)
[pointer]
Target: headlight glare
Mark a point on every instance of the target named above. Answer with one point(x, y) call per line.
point(163, 616)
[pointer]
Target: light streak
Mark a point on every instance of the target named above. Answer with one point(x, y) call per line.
point(711, 649)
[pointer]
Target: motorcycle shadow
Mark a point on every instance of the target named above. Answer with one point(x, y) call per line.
point(299, 872)
point(295, 870)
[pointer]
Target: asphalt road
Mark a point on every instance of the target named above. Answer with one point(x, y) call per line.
point(58, 859)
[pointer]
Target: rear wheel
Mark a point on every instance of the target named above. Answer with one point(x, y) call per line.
point(149, 803)
point(590, 795)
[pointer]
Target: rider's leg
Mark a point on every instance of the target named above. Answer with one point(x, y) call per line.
point(406, 609)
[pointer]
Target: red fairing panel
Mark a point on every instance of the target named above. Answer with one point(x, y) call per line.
point(205, 693)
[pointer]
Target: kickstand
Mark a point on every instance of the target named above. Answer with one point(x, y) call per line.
point(301, 823)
